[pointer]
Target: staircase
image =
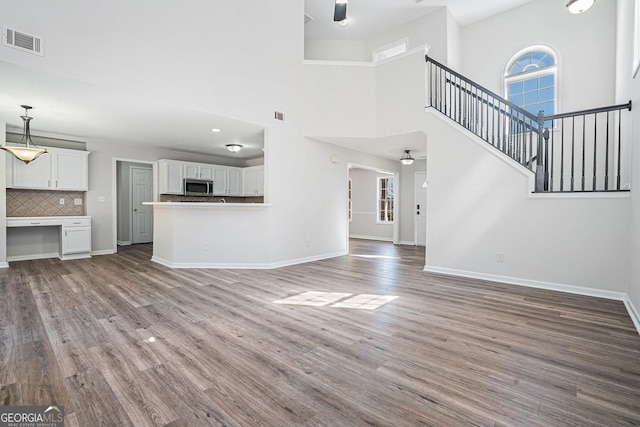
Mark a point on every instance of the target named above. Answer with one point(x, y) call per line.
point(568, 152)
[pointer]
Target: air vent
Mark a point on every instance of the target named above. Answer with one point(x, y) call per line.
point(22, 41)
point(307, 18)
point(279, 116)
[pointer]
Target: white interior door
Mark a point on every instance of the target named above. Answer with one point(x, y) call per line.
point(142, 215)
point(420, 209)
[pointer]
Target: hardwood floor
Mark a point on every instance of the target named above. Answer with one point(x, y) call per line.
point(119, 340)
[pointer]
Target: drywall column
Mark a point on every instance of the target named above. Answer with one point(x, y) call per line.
point(3, 199)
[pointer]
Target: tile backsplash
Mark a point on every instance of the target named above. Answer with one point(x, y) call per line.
point(44, 203)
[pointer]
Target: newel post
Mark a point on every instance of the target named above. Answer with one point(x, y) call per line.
point(540, 162)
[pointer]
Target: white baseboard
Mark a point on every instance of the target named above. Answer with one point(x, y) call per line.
point(599, 293)
point(75, 256)
point(633, 312)
point(381, 239)
point(103, 252)
point(32, 257)
point(407, 242)
point(4, 265)
point(245, 266)
point(124, 242)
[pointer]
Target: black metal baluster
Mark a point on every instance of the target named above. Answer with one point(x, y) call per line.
point(552, 149)
point(619, 149)
point(606, 155)
point(584, 150)
point(595, 144)
point(562, 156)
point(573, 140)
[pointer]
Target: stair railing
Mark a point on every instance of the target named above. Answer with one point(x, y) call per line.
point(594, 147)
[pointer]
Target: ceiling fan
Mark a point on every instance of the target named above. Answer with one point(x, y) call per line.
point(340, 11)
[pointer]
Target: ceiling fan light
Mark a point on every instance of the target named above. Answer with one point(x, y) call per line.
point(406, 158)
point(234, 148)
point(579, 6)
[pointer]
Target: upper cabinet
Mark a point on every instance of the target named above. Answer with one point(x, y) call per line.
point(253, 181)
point(61, 169)
point(171, 174)
point(198, 170)
point(227, 181)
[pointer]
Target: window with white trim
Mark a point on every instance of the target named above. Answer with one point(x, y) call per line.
point(531, 79)
point(390, 50)
point(386, 200)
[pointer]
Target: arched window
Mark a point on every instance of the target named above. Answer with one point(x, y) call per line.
point(530, 80)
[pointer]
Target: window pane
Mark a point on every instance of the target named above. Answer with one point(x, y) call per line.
point(546, 61)
point(515, 87)
point(533, 109)
point(547, 81)
point(515, 69)
point(516, 99)
point(547, 107)
point(531, 97)
point(537, 56)
point(546, 94)
point(530, 84)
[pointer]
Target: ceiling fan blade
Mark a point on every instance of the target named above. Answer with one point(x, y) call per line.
point(340, 12)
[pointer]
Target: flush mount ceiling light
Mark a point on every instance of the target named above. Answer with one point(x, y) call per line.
point(30, 152)
point(215, 130)
point(340, 12)
point(579, 6)
point(406, 158)
point(234, 148)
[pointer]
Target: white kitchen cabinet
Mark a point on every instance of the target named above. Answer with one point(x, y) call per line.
point(227, 181)
point(76, 237)
point(198, 170)
point(61, 169)
point(253, 181)
point(171, 176)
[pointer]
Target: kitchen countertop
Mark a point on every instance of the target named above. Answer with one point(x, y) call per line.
point(208, 204)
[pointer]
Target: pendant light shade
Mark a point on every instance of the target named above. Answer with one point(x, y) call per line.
point(579, 6)
point(30, 152)
point(406, 158)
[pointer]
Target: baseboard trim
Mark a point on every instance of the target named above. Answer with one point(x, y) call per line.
point(124, 242)
point(633, 312)
point(4, 265)
point(599, 293)
point(32, 257)
point(619, 296)
point(245, 266)
point(407, 242)
point(381, 239)
point(103, 252)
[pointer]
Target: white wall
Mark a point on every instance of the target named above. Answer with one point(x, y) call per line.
point(628, 88)
point(336, 50)
point(364, 197)
point(3, 198)
point(454, 42)
point(584, 43)
point(478, 206)
point(430, 29)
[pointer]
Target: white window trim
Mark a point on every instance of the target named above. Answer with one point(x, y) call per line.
point(552, 69)
point(393, 45)
point(378, 221)
point(350, 200)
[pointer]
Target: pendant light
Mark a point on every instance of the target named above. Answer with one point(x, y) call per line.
point(406, 158)
point(579, 6)
point(30, 152)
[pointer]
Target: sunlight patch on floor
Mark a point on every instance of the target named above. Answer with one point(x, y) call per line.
point(338, 300)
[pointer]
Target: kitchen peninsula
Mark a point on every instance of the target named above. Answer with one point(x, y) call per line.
point(210, 235)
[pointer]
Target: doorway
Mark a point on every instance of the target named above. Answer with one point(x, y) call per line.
point(420, 206)
point(134, 185)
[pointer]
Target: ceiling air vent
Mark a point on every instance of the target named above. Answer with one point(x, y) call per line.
point(279, 115)
point(22, 41)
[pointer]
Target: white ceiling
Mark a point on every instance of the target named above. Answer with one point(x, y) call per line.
point(66, 107)
point(368, 18)
point(390, 147)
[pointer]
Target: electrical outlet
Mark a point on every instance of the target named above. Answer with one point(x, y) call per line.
point(500, 257)
point(205, 246)
point(62, 201)
point(77, 202)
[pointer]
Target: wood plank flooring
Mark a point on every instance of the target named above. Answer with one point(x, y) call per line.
point(119, 340)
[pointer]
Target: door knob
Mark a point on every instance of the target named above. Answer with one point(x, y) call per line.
point(135, 209)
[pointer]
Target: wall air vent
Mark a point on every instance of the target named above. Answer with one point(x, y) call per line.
point(279, 115)
point(22, 41)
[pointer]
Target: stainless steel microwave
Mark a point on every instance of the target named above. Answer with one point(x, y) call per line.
point(198, 187)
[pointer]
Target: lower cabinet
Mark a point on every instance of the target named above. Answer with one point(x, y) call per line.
point(76, 237)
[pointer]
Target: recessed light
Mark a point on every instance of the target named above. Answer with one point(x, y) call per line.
point(216, 130)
